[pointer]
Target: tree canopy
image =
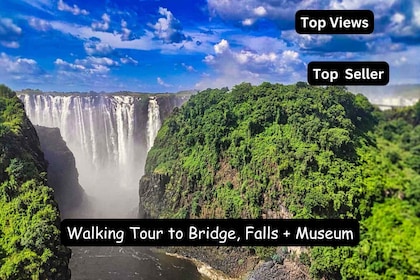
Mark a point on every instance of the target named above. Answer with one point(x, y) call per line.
point(300, 151)
point(29, 219)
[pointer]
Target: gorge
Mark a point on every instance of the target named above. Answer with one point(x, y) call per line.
point(267, 151)
point(109, 135)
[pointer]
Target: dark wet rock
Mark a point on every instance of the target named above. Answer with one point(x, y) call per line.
point(271, 270)
point(62, 172)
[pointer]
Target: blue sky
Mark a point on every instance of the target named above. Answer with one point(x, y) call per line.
point(168, 46)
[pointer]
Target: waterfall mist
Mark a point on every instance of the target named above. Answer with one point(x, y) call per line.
point(109, 136)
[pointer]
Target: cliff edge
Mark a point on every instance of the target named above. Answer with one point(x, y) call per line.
point(62, 172)
point(29, 218)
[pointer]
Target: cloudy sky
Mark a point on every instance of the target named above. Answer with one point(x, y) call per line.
point(160, 46)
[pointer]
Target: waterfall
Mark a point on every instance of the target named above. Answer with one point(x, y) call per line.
point(83, 121)
point(109, 136)
point(107, 143)
point(153, 122)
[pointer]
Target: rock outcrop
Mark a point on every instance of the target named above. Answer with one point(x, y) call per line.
point(62, 172)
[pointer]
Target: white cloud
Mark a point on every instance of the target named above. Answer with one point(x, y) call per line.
point(159, 81)
point(89, 65)
point(89, 73)
point(416, 14)
point(9, 33)
point(168, 28)
point(260, 11)
point(128, 60)
point(187, 67)
point(162, 83)
point(97, 48)
point(235, 66)
point(209, 59)
point(75, 10)
point(104, 25)
point(290, 55)
point(17, 71)
point(401, 60)
point(198, 41)
point(405, 23)
point(126, 33)
point(39, 24)
point(112, 39)
point(397, 18)
point(379, 5)
point(17, 65)
point(248, 22)
point(261, 44)
point(244, 57)
point(249, 11)
point(11, 45)
point(64, 65)
point(306, 41)
point(383, 44)
point(253, 58)
point(146, 42)
point(221, 47)
point(92, 60)
point(403, 63)
point(46, 6)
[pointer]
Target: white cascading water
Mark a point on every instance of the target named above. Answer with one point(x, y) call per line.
point(109, 147)
point(109, 136)
point(153, 122)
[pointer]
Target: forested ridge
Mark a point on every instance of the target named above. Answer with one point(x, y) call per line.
point(29, 219)
point(302, 152)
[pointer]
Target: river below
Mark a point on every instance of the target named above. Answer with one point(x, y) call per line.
point(109, 263)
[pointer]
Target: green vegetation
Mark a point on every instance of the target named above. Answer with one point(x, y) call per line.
point(29, 219)
point(307, 152)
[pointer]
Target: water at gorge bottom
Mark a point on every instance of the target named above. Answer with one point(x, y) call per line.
point(109, 263)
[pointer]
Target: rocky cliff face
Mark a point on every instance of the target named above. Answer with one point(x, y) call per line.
point(152, 189)
point(62, 172)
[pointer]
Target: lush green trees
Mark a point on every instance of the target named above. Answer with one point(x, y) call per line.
point(390, 246)
point(308, 152)
point(29, 219)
